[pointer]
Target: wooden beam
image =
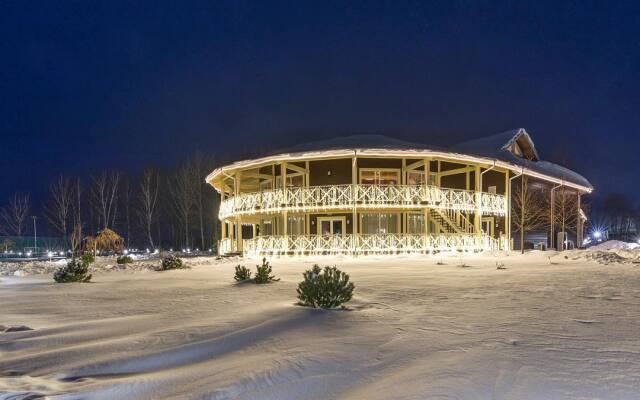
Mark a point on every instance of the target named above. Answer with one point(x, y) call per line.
point(256, 175)
point(295, 168)
point(456, 171)
point(413, 166)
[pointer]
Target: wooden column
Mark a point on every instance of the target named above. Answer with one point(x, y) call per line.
point(354, 213)
point(238, 182)
point(285, 215)
point(478, 198)
point(307, 217)
point(507, 206)
point(403, 181)
point(427, 170)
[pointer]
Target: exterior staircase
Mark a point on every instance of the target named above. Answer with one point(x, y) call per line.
point(451, 221)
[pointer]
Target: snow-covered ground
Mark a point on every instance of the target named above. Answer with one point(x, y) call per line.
point(549, 326)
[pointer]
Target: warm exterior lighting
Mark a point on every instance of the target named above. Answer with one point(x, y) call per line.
point(436, 199)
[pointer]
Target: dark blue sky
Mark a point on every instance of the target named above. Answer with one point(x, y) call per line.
point(89, 85)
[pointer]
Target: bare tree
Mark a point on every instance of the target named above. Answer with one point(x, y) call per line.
point(126, 206)
point(203, 200)
point(148, 201)
point(75, 239)
point(528, 209)
point(105, 197)
point(183, 197)
point(15, 214)
point(566, 210)
point(59, 207)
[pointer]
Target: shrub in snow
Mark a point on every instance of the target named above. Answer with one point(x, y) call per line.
point(263, 273)
point(242, 273)
point(76, 270)
point(171, 262)
point(87, 257)
point(328, 288)
point(124, 260)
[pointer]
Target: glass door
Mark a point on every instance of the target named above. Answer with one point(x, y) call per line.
point(331, 226)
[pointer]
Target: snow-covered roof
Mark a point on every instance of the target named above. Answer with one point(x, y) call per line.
point(356, 142)
point(498, 147)
point(513, 148)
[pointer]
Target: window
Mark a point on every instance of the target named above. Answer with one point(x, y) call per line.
point(415, 178)
point(378, 223)
point(266, 227)
point(415, 223)
point(295, 225)
point(292, 181)
point(379, 176)
point(331, 225)
point(265, 185)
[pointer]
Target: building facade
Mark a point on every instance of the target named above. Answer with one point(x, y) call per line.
point(373, 194)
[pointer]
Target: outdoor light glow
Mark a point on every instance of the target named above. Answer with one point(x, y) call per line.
point(126, 251)
point(597, 234)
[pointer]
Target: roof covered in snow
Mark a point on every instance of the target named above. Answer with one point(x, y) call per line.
point(514, 147)
point(499, 147)
point(357, 142)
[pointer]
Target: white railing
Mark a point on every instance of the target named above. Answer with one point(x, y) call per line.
point(368, 244)
point(226, 246)
point(319, 198)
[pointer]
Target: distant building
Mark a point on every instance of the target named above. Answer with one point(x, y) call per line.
point(374, 194)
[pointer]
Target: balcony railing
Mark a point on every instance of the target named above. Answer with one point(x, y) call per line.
point(368, 244)
point(318, 198)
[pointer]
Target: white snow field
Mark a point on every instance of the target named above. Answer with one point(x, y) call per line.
point(436, 327)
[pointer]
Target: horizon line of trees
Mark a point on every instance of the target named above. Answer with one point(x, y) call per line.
point(155, 208)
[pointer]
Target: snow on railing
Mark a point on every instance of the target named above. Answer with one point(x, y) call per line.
point(318, 198)
point(368, 244)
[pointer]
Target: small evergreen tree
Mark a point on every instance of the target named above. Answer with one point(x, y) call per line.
point(325, 289)
point(76, 270)
point(87, 257)
point(242, 273)
point(171, 262)
point(263, 273)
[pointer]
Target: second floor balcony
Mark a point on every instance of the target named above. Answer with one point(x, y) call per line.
point(359, 196)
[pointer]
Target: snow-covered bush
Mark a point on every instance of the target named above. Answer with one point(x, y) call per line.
point(124, 259)
point(87, 257)
point(328, 288)
point(76, 270)
point(263, 273)
point(171, 262)
point(242, 273)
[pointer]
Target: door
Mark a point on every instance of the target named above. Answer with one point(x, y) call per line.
point(487, 225)
point(331, 225)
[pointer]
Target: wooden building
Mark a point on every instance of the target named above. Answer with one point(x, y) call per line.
point(374, 194)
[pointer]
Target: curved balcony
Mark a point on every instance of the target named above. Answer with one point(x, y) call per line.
point(324, 198)
point(365, 244)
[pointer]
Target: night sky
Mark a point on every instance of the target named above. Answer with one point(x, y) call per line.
point(88, 85)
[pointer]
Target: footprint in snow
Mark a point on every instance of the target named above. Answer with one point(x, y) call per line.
point(587, 321)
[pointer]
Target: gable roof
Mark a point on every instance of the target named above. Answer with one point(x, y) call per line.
point(499, 147)
point(493, 145)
